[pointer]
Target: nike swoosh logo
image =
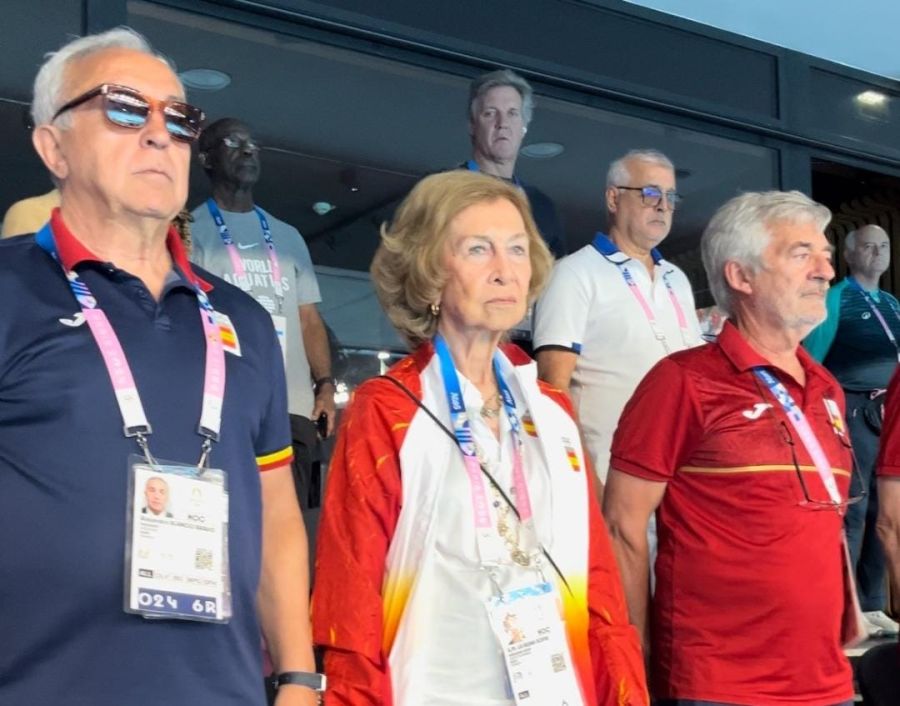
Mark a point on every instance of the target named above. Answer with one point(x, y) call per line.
point(76, 320)
point(757, 410)
point(248, 246)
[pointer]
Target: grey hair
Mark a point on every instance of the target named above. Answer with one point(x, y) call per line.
point(48, 84)
point(495, 79)
point(740, 230)
point(618, 174)
point(850, 238)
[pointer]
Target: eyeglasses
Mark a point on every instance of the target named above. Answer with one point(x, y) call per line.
point(234, 142)
point(127, 107)
point(822, 504)
point(653, 196)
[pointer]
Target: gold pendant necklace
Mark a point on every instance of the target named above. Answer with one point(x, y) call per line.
point(491, 407)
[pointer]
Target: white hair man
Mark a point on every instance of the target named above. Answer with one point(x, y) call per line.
point(858, 343)
point(615, 307)
point(739, 447)
point(116, 352)
point(501, 105)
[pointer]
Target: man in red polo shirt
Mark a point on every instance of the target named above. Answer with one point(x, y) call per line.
point(740, 448)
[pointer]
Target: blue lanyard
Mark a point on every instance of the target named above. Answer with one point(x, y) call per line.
point(462, 430)
point(236, 262)
point(459, 418)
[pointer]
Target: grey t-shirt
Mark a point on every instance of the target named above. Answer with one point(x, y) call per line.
point(298, 281)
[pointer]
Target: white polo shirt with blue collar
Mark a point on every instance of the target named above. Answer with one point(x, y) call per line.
point(603, 305)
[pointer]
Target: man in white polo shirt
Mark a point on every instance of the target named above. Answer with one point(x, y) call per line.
point(615, 307)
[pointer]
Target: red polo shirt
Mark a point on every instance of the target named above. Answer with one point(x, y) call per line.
point(889, 455)
point(750, 586)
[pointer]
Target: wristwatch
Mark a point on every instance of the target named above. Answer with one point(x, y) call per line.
point(314, 681)
point(326, 380)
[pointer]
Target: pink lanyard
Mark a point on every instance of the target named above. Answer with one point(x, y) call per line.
point(127, 396)
point(804, 431)
point(648, 310)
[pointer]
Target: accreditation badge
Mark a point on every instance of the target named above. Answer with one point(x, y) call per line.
point(280, 324)
point(176, 549)
point(528, 625)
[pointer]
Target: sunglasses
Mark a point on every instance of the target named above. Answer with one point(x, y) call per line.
point(129, 108)
point(652, 196)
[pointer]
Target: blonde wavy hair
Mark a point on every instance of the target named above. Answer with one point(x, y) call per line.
point(408, 268)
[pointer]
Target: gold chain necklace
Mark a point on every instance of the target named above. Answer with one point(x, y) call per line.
point(507, 527)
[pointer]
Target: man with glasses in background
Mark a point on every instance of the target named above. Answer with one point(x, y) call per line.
point(740, 449)
point(858, 343)
point(615, 307)
point(114, 355)
point(242, 243)
point(501, 105)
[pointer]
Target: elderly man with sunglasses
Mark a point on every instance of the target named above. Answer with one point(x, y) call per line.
point(119, 362)
point(615, 307)
point(740, 449)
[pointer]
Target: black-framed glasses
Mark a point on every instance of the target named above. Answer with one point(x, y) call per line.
point(234, 142)
point(809, 502)
point(653, 196)
point(128, 107)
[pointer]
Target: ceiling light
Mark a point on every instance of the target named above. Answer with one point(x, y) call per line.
point(323, 208)
point(542, 150)
point(205, 79)
point(871, 98)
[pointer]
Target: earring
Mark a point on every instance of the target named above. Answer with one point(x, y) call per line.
point(435, 310)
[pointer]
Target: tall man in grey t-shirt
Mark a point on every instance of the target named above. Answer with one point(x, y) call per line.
point(239, 241)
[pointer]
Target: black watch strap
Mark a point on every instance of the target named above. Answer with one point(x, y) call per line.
point(323, 381)
point(314, 681)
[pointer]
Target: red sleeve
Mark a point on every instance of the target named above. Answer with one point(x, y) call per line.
point(615, 644)
point(362, 504)
point(659, 426)
point(616, 657)
point(889, 455)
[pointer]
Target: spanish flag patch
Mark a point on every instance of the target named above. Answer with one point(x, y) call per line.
point(528, 425)
point(227, 334)
point(573, 458)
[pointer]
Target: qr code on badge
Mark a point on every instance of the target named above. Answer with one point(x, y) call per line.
point(203, 559)
point(558, 662)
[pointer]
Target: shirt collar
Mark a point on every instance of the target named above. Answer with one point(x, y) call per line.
point(72, 251)
point(607, 248)
point(744, 357)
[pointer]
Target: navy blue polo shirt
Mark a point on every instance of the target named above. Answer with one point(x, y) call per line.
point(64, 636)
